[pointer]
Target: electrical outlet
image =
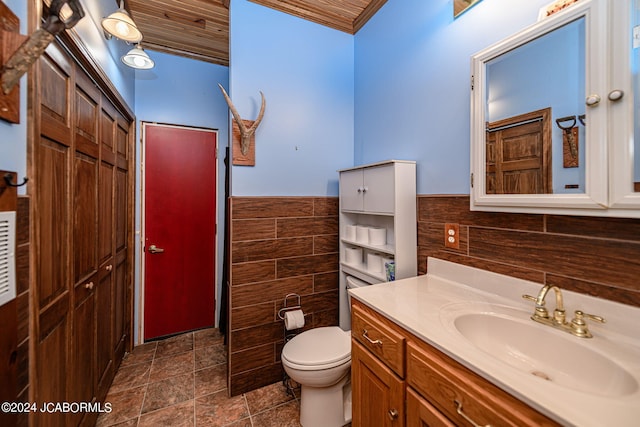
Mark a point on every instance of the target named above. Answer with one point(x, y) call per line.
point(452, 236)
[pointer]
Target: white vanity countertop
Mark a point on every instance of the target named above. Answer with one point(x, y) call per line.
point(417, 305)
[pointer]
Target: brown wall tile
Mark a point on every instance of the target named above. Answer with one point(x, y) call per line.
point(253, 229)
point(271, 207)
point(250, 272)
point(252, 358)
point(325, 281)
point(274, 290)
point(325, 244)
point(295, 227)
point(260, 250)
point(596, 256)
point(299, 255)
point(253, 315)
point(307, 265)
point(326, 206)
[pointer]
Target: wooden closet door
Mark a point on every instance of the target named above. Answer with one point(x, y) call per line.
point(82, 219)
point(85, 240)
point(106, 247)
point(53, 159)
point(123, 208)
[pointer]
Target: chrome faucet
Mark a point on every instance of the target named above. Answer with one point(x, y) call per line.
point(577, 326)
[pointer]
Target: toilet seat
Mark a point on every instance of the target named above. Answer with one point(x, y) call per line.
point(317, 349)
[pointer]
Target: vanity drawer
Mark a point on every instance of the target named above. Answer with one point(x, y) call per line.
point(447, 384)
point(379, 336)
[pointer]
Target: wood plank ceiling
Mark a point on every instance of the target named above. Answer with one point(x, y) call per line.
point(199, 29)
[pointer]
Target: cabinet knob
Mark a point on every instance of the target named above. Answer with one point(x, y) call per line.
point(393, 414)
point(109, 267)
point(616, 95)
point(88, 285)
point(593, 100)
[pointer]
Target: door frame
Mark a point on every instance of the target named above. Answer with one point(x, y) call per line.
point(140, 243)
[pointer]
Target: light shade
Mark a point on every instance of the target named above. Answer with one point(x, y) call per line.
point(120, 25)
point(138, 58)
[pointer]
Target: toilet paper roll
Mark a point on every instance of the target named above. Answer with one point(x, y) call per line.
point(350, 232)
point(353, 255)
point(293, 319)
point(362, 234)
point(377, 236)
point(374, 263)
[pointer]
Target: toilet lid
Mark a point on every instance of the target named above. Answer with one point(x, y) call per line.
point(319, 346)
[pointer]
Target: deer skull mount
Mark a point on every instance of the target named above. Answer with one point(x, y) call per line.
point(245, 132)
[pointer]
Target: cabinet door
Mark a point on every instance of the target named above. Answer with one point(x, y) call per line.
point(421, 413)
point(378, 394)
point(351, 190)
point(379, 189)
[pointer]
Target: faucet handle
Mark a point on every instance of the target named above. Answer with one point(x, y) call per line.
point(579, 327)
point(541, 310)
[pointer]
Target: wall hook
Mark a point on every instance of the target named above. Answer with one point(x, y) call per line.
point(572, 119)
point(8, 178)
point(582, 118)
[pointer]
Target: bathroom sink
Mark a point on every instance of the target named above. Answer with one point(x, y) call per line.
point(543, 352)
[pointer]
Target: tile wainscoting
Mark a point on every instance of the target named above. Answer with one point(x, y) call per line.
point(595, 256)
point(279, 245)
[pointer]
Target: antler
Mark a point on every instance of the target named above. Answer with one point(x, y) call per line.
point(245, 132)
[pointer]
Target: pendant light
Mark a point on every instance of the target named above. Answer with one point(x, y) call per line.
point(138, 58)
point(120, 25)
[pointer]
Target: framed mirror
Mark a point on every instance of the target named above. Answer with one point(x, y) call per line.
point(538, 134)
point(624, 115)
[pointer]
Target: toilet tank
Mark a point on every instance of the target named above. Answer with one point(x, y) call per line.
point(345, 312)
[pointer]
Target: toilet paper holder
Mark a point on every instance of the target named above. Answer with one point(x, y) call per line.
point(286, 307)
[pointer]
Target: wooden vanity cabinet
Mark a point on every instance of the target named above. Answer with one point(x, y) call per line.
point(377, 392)
point(398, 379)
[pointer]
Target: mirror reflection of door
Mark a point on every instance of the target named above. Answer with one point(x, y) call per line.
point(519, 154)
point(546, 72)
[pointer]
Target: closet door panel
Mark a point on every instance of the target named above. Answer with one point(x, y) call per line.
point(121, 304)
point(55, 69)
point(51, 221)
point(87, 98)
point(85, 227)
point(121, 208)
point(104, 348)
point(122, 143)
point(105, 213)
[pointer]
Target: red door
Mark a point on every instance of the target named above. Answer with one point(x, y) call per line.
point(180, 227)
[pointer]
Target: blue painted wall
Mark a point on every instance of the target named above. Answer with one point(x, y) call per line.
point(13, 137)
point(412, 89)
point(305, 71)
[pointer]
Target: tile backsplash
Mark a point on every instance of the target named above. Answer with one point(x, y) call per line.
point(595, 256)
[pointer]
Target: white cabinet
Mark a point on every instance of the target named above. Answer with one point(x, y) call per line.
point(601, 94)
point(369, 189)
point(377, 200)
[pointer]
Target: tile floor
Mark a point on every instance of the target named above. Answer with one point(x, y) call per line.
point(181, 381)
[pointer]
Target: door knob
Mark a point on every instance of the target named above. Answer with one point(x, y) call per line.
point(155, 250)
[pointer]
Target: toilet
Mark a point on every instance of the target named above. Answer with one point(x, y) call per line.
point(320, 360)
